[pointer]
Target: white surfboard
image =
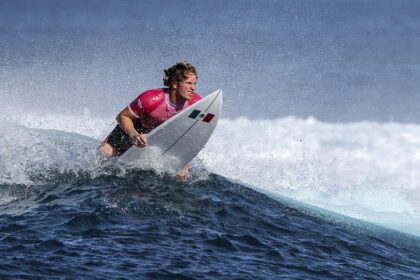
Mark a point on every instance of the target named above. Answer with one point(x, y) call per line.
point(178, 140)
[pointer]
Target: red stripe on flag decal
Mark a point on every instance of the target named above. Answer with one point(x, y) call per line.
point(208, 118)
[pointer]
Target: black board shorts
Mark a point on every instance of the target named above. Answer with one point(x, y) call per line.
point(120, 140)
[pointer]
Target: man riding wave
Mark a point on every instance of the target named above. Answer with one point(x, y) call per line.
point(152, 108)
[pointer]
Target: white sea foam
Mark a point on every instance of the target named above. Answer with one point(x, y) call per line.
point(364, 170)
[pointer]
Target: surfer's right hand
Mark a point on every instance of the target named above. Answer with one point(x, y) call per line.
point(138, 139)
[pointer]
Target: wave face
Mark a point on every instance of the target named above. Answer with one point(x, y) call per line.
point(142, 225)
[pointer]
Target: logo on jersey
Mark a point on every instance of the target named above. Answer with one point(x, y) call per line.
point(205, 118)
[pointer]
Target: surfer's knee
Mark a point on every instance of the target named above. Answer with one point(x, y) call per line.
point(106, 150)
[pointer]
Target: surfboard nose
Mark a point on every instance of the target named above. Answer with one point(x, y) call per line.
point(220, 94)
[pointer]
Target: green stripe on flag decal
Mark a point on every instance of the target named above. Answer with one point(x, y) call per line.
point(194, 114)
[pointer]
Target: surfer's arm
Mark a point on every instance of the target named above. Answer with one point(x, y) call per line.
point(125, 120)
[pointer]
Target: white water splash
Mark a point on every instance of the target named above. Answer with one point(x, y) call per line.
point(363, 170)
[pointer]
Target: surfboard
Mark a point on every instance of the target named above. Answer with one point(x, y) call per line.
point(178, 140)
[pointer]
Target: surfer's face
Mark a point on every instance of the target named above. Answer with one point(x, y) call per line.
point(186, 88)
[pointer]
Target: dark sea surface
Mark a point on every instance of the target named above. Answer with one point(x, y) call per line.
point(145, 225)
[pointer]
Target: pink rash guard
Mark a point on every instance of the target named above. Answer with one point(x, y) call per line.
point(153, 107)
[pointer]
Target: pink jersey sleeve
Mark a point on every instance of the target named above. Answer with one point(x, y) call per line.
point(146, 102)
point(194, 99)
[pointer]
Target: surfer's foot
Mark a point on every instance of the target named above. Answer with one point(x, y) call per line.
point(183, 176)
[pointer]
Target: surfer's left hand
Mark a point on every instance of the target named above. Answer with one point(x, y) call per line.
point(138, 139)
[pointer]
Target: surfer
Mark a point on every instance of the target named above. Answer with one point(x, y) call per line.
point(152, 108)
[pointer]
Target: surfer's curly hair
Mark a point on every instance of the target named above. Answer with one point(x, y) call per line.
point(178, 73)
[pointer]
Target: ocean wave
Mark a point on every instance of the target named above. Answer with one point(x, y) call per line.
point(364, 170)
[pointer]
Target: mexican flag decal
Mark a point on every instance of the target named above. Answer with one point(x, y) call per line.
point(197, 113)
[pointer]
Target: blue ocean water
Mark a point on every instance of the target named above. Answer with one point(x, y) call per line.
point(312, 172)
point(143, 225)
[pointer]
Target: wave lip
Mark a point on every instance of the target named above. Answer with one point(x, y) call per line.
point(31, 155)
